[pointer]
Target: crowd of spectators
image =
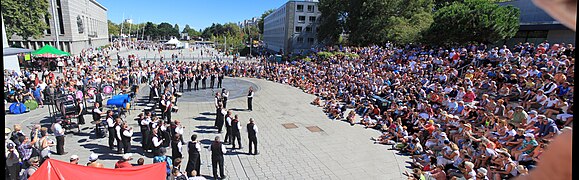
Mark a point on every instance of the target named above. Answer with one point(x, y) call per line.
point(462, 112)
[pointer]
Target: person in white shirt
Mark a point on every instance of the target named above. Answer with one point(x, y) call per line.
point(111, 125)
point(157, 141)
point(118, 134)
point(127, 133)
point(224, 95)
point(217, 150)
point(540, 99)
point(250, 99)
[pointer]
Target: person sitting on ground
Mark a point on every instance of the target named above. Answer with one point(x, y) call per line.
point(124, 162)
point(92, 161)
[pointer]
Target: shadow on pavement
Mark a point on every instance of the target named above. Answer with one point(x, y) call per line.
point(203, 118)
point(208, 113)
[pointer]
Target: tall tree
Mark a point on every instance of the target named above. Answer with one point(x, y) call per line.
point(114, 29)
point(151, 30)
point(177, 27)
point(474, 20)
point(332, 20)
point(25, 18)
point(186, 29)
point(261, 19)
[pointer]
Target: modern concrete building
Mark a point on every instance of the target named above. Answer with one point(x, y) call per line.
point(292, 27)
point(80, 24)
point(536, 25)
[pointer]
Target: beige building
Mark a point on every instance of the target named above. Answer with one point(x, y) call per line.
point(80, 24)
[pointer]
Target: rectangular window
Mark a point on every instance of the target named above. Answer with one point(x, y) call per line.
point(60, 19)
point(298, 29)
point(300, 39)
point(308, 29)
point(310, 8)
point(302, 19)
point(310, 40)
point(300, 8)
point(312, 18)
point(47, 21)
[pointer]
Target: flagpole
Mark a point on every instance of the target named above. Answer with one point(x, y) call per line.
point(122, 23)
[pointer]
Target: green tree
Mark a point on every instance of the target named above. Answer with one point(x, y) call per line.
point(261, 19)
point(186, 29)
point(114, 29)
point(332, 20)
point(474, 20)
point(177, 27)
point(25, 18)
point(151, 30)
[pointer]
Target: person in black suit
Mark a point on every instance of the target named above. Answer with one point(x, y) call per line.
point(220, 80)
point(194, 162)
point(204, 80)
point(212, 80)
point(217, 150)
point(252, 135)
point(197, 79)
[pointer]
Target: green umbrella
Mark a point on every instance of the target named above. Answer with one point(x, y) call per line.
point(49, 51)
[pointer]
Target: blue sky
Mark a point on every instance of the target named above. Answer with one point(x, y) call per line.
point(197, 13)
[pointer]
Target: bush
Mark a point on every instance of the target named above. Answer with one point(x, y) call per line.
point(324, 55)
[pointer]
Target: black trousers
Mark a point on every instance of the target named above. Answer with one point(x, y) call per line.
point(219, 84)
point(252, 141)
point(188, 86)
point(81, 119)
point(126, 146)
point(219, 124)
point(224, 102)
point(112, 137)
point(203, 84)
point(196, 85)
point(13, 171)
point(168, 115)
point(235, 136)
point(212, 83)
point(249, 104)
point(60, 145)
point(145, 138)
point(120, 145)
point(215, 162)
point(227, 134)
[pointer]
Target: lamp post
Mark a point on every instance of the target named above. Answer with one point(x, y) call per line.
point(56, 32)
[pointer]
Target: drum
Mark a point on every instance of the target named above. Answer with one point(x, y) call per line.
point(69, 98)
point(108, 89)
point(91, 92)
point(79, 94)
point(175, 109)
point(178, 94)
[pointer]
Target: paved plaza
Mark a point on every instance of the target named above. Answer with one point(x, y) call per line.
point(315, 148)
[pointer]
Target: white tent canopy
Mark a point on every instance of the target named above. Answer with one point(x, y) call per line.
point(173, 41)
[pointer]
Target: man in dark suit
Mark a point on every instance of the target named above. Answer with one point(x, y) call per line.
point(252, 135)
point(217, 150)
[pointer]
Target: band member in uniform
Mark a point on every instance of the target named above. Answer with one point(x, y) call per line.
point(163, 106)
point(217, 103)
point(190, 79)
point(182, 82)
point(146, 132)
point(157, 140)
point(228, 119)
point(127, 133)
point(197, 79)
point(176, 146)
point(220, 118)
point(252, 136)
point(220, 80)
point(217, 150)
point(96, 116)
point(98, 97)
point(168, 108)
point(204, 80)
point(118, 135)
point(194, 162)
point(213, 76)
point(224, 96)
point(235, 132)
point(250, 99)
point(80, 112)
point(111, 126)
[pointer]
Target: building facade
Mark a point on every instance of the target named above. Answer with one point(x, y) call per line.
point(537, 26)
point(248, 22)
point(80, 24)
point(292, 28)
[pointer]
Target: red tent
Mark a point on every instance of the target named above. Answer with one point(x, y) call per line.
point(57, 170)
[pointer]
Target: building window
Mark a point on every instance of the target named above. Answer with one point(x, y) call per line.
point(300, 8)
point(312, 18)
point(298, 29)
point(310, 40)
point(60, 19)
point(310, 8)
point(308, 29)
point(302, 19)
point(47, 21)
point(300, 39)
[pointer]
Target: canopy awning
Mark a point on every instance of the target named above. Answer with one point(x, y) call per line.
point(49, 51)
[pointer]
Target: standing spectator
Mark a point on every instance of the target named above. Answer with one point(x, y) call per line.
point(217, 150)
point(12, 161)
point(59, 134)
point(252, 131)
